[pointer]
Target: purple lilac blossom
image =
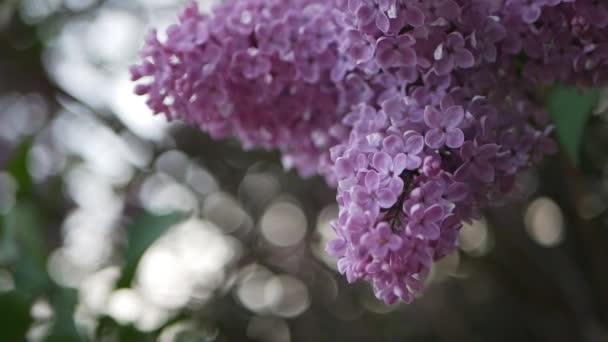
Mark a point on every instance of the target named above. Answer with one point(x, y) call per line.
point(266, 72)
point(420, 112)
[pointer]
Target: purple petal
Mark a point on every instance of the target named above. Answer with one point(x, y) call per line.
point(457, 192)
point(360, 195)
point(353, 5)
point(372, 180)
point(531, 14)
point(393, 144)
point(379, 252)
point(382, 22)
point(414, 17)
point(343, 167)
point(461, 174)
point(405, 40)
point(336, 247)
point(444, 66)
point(413, 162)
point(434, 213)
point(370, 240)
point(467, 150)
point(432, 190)
point(434, 138)
point(455, 40)
point(361, 162)
point(399, 163)
point(396, 185)
point(454, 138)
point(383, 230)
point(432, 117)
point(361, 52)
point(414, 144)
point(417, 212)
point(483, 171)
point(408, 134)
point(430, 231)
point(386, 198)
point(407, 58)
point(452, 117)
point(394, 107)
point(394, 242)
point(463, 58)
point(487, 151)
point(449, 10)
point(343, 265)
point(365, 15)
point(382, 162)
point(388, 58)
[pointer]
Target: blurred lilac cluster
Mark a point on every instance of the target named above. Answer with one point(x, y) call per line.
point(421, 112)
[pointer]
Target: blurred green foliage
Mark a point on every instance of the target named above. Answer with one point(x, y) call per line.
point(570, 109)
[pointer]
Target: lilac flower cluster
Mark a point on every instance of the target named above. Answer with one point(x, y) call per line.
point(267, 72)
point(421, 112)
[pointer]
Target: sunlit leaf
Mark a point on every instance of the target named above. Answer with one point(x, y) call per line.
point(570, 109)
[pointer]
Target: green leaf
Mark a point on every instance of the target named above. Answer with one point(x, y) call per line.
point(570, 109)
point(14, 316)
point(64, 329)
point(23, 233)
point(19, 169)
point(110, 330)
point(141, 234)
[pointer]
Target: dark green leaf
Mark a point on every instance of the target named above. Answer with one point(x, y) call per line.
point(64, 329)
point(18, 168)
point(141, 234)
point(14, 316)
point(570, 109)
point(110, 330)
point(23, 233)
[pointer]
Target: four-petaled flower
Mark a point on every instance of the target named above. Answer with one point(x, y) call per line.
point(444, 127)
point(414, 144)
point(424, 222)
point(476, 161)
point(396, 51)
point(371, 11)
point(372, 196)
point(452, 54)
point(381, 240)
point(390, 169)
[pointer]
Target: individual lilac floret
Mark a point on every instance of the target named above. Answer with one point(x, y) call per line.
point(529, 10)
point(452, 54)
point(414, 145)
point(424, 222)
point(396, 51)
point(371, 12)
point(477, 161)
point(381, 240)
point(444, 127)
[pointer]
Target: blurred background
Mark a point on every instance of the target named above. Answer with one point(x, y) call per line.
point(118, 226)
